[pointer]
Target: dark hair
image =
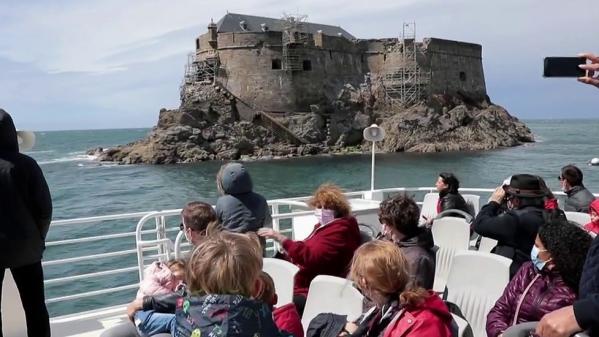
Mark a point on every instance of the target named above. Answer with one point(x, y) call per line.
point(453, 184)
point(198, 215)
point(568, 245)
point(402, 213)
point(572, 174)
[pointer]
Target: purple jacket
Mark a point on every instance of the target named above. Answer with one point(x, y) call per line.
point(546, 293)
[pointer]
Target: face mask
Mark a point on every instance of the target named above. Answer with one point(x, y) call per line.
point(534, 256)
point(324, 216)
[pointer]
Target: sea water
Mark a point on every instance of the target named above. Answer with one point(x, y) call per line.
point(82, 187)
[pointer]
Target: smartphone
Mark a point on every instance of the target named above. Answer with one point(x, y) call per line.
point(563, 67)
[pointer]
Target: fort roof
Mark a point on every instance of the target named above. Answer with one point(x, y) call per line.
point(232, 23)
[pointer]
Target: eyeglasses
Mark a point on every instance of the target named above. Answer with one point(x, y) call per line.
point(560, 178)
point(181, 226)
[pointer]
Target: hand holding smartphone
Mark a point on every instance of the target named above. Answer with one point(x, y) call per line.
point(564, 67)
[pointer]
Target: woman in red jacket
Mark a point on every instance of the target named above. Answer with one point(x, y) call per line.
point(328, 250)
point(381, 272)
point(549, 282)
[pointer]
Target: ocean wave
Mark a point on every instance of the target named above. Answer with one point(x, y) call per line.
point(75, 156)
point(38, 152)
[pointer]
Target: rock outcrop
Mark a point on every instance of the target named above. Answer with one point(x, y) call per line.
point(208, 126)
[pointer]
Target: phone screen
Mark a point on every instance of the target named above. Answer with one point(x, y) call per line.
point(563, 67)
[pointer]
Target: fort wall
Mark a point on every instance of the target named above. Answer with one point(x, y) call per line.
point(252, 67)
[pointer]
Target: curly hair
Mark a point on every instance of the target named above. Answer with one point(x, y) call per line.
point(568, 245)
point(401, 212)
point(330, 196)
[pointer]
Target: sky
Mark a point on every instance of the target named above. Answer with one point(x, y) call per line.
point(101, 64)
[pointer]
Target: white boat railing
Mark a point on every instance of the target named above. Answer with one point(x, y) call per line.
point(155, 233)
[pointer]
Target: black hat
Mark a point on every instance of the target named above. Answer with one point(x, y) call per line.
point(525, 186)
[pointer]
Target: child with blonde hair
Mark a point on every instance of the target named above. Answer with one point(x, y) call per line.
point(223, 274)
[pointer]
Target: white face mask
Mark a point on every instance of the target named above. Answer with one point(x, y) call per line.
point(324, 216)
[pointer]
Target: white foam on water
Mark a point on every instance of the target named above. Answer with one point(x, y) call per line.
point(72, 157)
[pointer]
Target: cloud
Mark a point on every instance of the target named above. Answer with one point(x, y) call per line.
point(89, 63)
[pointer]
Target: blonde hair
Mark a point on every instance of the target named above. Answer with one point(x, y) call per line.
point(330, 196)
point(382, 266)
point(225, 263)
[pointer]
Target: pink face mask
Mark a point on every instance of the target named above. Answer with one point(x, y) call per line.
point(324, 216)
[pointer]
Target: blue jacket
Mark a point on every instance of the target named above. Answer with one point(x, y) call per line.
point(587, 306)
point(240, 209)
point(224, 316)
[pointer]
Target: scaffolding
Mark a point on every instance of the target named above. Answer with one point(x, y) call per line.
point(294, 37)
point(203, 71)
point(406, 84)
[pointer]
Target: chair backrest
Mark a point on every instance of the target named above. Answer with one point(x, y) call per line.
point(473, 200)
point(13, 315)
point(580, 218)
point(181, 246)
point(475, 282)
point(451, 235)
point(461, 324)
point(330, 294)
point(486, 244)
point(429, 206)
point(302, 226)
point(282, 273)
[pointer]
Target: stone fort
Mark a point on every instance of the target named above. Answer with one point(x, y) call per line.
point(286, 65)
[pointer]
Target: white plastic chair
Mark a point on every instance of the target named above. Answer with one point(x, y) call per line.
point(462, 325)
point(330, 294)
point(473, 200)
point(282, 273)
point(180, 244)
point(429, 206)
point(13, 315)
point(580, 218)
point(486, 244)
point(450, 235)
point(475, 282)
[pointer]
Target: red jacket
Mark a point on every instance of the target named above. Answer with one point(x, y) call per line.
point(430, 319)
point(288, 319)
point(593, 226)
point(328, 250)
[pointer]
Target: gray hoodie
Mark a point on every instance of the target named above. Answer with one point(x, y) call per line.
point(25, 203)
point(240, 209)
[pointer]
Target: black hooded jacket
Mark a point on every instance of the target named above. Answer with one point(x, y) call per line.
point(25, 203)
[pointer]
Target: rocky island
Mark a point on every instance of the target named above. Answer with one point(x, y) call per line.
point(263, 88)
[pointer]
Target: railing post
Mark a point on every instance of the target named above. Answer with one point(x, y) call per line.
point(275, 223)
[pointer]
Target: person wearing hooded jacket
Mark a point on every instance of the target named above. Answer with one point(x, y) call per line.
point(593, 226)
point(240, 209)
point(399, 219)
point(25, 215)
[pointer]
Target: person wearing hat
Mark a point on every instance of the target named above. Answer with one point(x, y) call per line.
point(516, 229)
point(25, 214)
point(578, 198)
